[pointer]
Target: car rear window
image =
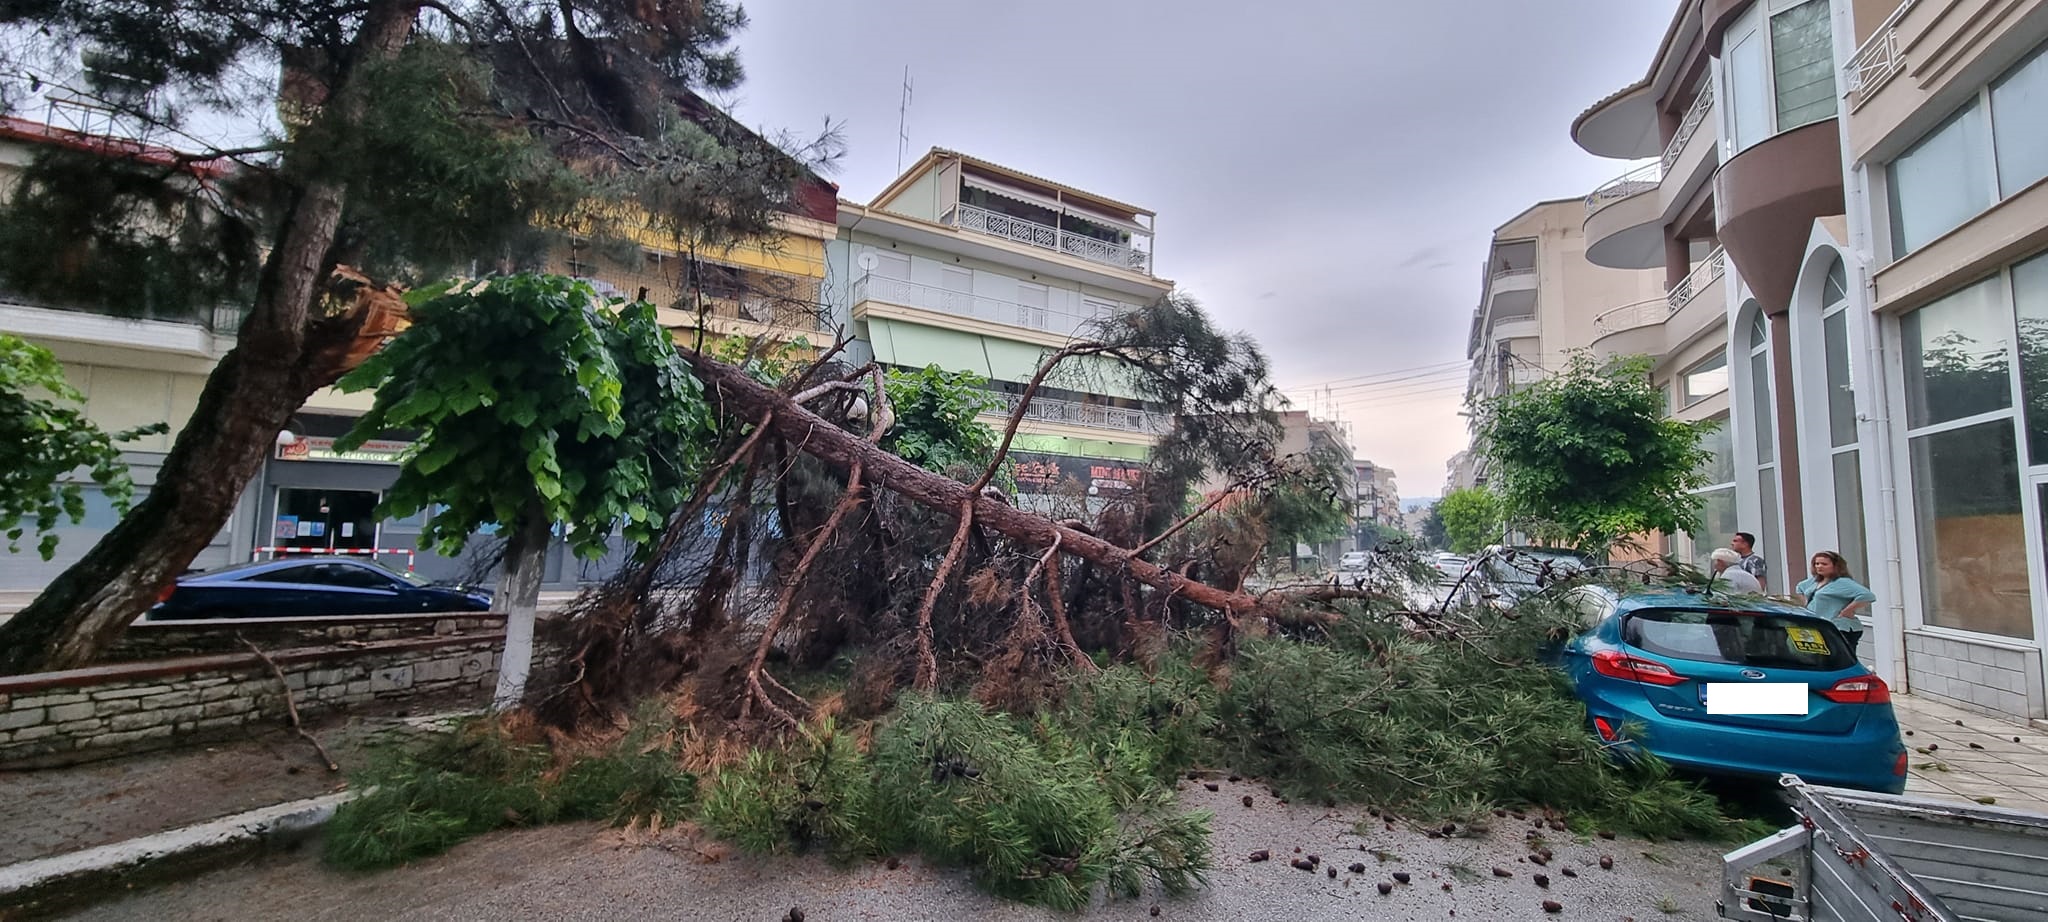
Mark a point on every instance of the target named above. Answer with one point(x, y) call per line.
point(1760, 639)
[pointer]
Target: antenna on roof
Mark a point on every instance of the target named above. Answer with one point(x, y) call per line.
point(903, 121)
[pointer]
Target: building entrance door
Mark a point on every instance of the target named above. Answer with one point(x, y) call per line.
point(331, 519)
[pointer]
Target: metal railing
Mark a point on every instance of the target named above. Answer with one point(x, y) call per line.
point(966, 304)
point(1089, 415)
point(1513, 272)
point(1702, 275)
point(1695, 116)
point(1047, 237)
point(1878, 60)
point(1658, 310)
point(1634, 182)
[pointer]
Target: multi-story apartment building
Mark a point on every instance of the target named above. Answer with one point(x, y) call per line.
point(1541, 294)
point(1866, 183)
point(135, 371)
point(1378, 499)
point(967, 265)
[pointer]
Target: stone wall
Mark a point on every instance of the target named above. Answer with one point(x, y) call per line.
point(2005, 680)
point(159, 639)
point(55, 718)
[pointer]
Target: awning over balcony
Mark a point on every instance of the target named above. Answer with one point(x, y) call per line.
point(1005, 190)
point(914, 345)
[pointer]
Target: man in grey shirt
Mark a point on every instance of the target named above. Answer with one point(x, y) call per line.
point(1744, 544)
point(1728, 569)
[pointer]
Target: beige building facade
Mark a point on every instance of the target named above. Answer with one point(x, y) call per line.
point(1866, 184)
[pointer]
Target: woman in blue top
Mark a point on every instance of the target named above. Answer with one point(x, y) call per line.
point(1831, 593)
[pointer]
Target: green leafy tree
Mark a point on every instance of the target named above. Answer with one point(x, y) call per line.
point(537, 406)
point(938, 425)
point(1308, 504)
point(1468, 519)
point(1588, 457)
point(43, 436)
point(420, 139)
point(1433, 532)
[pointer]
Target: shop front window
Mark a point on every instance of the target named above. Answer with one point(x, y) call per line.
point(1973, 557)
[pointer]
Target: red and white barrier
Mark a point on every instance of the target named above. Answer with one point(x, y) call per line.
point(371, 552)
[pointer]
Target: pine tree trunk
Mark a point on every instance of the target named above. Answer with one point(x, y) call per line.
point(517, 598)
point(248, 398)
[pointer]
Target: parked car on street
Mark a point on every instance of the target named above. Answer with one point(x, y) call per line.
point(1737, 686)
point(310, 586)
point(1507, 575)
point(1450, 566)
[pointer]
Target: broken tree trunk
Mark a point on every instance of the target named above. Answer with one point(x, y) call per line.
point(842, 449)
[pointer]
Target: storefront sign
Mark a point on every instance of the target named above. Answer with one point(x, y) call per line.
point(1037, 473)
point(321, 448)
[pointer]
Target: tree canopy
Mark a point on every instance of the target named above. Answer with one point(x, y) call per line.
point(44, 436)
point(1468, 519)
point(1588, 457)
point(530, 389)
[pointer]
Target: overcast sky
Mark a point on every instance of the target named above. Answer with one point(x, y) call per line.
point(1326, 174)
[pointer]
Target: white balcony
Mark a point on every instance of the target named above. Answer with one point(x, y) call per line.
point(1047, 237)
point(1065, 324)
point(1086, 415)
point(1645, 327)
point(1878, 61)
point(1628, 185)
point(1695, 116)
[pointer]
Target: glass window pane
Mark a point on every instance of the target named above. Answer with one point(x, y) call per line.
point(1758, 334)
point(1767, 500)
point(1849, 541)
point(1841, 379)
point(1939, 182)
point(2030, 299)
point(1719, 444)
point(2019, 111)
point(1955, 352)
point(1705, 379)
point(1717, 522)
point(1762, 407)
point(1966, 511)
point(1802, 60)
point(1751, 110)
point(1836, 289)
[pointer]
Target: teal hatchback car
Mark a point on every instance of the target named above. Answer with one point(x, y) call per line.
point(1732, 686)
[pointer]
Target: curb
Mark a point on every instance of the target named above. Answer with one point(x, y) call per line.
point(42, 887)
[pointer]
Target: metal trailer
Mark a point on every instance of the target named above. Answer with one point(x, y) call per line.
point(1862, 857)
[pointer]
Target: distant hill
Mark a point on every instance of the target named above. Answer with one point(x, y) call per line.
point(1412, 503)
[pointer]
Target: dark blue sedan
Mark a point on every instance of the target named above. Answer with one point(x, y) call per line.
point(311, 586)
point(1650, 662)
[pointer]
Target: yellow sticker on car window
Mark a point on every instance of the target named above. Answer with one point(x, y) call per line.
point(1807, 640)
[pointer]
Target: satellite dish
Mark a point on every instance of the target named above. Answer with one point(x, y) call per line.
point(868, 261)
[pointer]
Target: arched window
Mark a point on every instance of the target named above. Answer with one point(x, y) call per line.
point(1843, 453)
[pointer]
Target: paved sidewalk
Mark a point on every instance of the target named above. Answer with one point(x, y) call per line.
point(55, 811)
point(1965, 756)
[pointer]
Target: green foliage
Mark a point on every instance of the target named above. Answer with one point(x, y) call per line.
point(819, 793)
point(1587, 457)
point(478, 778)
point(1027, 812)
point(1434, 534)
point(1471, 519)
point(1159, 721)
point(1440, 729)
point(936, 420)
point(42, 439)
point(525, 389)
point(127, 238)
point(1308, 505)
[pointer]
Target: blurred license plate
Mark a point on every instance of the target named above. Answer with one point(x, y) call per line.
point(1754, 698)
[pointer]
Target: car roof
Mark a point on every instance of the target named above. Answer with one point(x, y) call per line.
point(260, 567)
point(1669, 597)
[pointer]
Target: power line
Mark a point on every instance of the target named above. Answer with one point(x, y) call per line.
point(1389, 373)
point(1368, 386)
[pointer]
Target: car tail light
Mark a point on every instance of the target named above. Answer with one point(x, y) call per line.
point(1634, 669)
point(164, 595)
point(1607, 731)
point(1862, 689)
point(1899, 765)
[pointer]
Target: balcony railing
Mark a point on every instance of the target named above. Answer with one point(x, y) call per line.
point(1658, 310)
point(1878, 61)
point(1697, 280)
point(965, 304)
point(1695, 116)
point(220, 319)
point(1047, 237)
point(1089, 415)
point(1499, 274)
point(1639, 180)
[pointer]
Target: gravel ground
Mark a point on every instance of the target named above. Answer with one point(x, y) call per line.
point(582, 871)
